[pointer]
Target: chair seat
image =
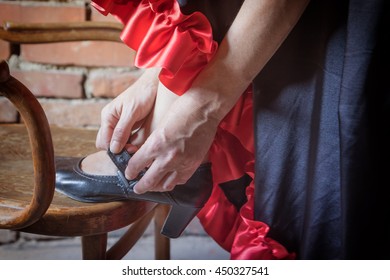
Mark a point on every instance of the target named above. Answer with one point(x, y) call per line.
point(65, 217)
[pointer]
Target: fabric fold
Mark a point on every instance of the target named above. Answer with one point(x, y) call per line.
point(181, 45)
point(237, 231)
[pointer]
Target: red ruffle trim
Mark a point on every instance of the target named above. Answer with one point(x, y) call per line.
point(181, 45)
point(237, 231)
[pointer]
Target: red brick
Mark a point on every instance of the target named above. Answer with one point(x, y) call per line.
point(109, 83)
point(52, 83)
point(87, 53)
point(47, 12)
point(4, 50)
point(74, 113)
point(10, 10)
point(8, 113)
point(41, 12)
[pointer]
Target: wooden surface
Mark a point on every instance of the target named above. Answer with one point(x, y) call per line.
point(65, 216)
point(36, 33)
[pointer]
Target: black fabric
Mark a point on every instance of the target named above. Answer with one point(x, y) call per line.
point(235, 190)
point(218, 12)
point(182, 3)
point(322, 133)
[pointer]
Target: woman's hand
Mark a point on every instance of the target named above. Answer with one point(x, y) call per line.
point(119, 117)
point(177, 147)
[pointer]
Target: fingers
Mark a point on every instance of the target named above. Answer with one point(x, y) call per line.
point(156, 179)
point(102, 141)
point(164, 171)
point(151, 179)
point(116, 126)
point(157, 171)
point(138, 162)
point(104, 136)
point(131, 148)
point(120, 135)
point(107, 125)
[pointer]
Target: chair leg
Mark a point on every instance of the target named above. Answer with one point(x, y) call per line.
point(94, 247)
point(129, 239)
point(162, 243)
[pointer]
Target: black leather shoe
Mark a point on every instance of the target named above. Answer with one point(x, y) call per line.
point(186, 200)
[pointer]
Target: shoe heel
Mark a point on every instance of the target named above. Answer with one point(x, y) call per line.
point(178, 219)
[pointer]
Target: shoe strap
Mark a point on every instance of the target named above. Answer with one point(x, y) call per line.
point(120, 160)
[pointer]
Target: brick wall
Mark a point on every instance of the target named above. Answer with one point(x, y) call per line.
point(74, 80)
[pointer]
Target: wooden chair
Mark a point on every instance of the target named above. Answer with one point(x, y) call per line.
point(28, 201)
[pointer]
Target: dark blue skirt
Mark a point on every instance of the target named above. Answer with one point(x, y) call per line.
point(322, 121)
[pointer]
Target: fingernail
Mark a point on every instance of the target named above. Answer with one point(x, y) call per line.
point(137, 191)
point(115, 147)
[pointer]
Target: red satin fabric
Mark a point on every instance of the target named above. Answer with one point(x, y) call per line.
point(163, 37)
point(182, 45)
point(234, 231)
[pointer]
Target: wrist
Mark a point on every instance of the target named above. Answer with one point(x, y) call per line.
point(216, 91)
point(148, 81)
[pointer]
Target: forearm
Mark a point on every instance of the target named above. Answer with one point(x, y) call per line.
point(258, 30)
point(149, 78)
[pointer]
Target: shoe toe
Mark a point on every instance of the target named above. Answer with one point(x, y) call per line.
point(74, 183)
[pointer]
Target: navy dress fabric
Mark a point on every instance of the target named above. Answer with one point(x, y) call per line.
point(322, 121)
point(220, 13)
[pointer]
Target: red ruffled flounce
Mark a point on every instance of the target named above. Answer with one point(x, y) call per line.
point(182, 45)
point(237, 231)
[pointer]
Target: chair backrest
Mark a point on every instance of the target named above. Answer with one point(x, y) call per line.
point(35, 33)
point(32, 112)
point(42, 152)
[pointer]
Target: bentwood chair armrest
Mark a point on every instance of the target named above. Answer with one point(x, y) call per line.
point(42, 152)
point(36, 33)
